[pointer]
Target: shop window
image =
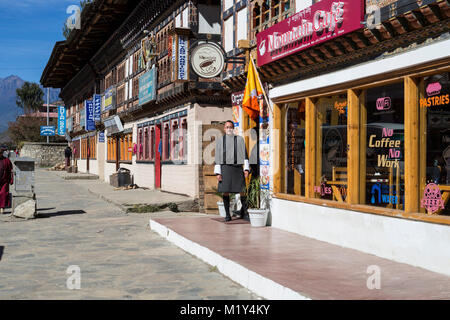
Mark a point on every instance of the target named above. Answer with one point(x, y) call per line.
point(147, 144)
point(152, 143)
point(112, 151)
point(77, 149)
point(126, 147)
point(92, 147)
point(166, 142)
point(331, 148)
point(184, 140)
point(174, 145)
point(434, 103)
point(383, 134)
point(84, 148)
point(140, 145)
point(295, 149)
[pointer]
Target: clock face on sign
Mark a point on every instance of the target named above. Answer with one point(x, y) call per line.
point(207, 60)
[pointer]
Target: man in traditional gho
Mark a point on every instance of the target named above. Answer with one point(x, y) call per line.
point(231, 155)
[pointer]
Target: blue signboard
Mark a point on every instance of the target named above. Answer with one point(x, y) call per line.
point(47, 130)
point(97, 107)
point(61, 120)
point(101, 136)
point(182, 58)
point(89, 118)
point(147, 86)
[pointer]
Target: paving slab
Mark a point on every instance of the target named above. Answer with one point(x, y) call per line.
point(75, 176)
point(311, 268)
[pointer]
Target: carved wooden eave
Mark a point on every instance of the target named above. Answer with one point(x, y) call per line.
point(98, 21)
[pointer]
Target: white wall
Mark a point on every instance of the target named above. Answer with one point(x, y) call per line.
point(180, 179)
point(227, 4)
point(302, 4)
point(417, 243)
point(209, 19)
point(81, 164)
point(242, 25)
point(93, 166)
point(228, 34)
point(144, 175)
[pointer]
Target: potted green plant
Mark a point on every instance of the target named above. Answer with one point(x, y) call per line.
point(258, 216)
point(220, 205)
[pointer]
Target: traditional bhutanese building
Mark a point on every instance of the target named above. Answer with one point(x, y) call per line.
point(153, 106)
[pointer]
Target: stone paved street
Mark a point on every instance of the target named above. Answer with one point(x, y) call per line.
point(119, 257)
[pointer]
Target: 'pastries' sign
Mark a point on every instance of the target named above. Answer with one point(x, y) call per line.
point(318, 23)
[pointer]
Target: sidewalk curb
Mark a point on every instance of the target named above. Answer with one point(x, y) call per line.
point(262, 286)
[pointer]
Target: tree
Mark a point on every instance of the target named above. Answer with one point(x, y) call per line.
point(29, 97)
point(27, 128)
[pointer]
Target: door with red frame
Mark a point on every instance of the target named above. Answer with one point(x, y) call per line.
point(158, 154)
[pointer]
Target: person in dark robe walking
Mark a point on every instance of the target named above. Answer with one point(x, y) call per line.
point(231, 155)
point(67, 155)
point(6, 178)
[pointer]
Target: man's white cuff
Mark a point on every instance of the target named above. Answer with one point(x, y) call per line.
point(246, 165)
point(217, 169)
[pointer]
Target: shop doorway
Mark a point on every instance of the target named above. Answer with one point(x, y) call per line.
point(158, 148)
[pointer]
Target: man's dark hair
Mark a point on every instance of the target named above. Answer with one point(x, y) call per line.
point(230, 122)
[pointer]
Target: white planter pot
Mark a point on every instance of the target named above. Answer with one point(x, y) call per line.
point(258, 217)
point(222, 212)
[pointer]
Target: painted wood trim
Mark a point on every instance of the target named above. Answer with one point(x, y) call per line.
point(277, 148)
point(362, 147)
point(353, 141)
point(310, 156)
point(422, 143)
point(370, 82)
point(411, 147)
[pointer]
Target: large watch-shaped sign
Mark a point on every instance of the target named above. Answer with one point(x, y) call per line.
point(207, 60)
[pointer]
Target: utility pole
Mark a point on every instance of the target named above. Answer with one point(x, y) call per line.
point(48, 97)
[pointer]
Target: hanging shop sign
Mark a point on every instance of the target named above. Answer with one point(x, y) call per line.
point(207, 60)
point(114, 125)
point(110, 95)
point(61, 120)
point(173, 49)
point(47, 130)
point(97, 99)
point(182, 58)
point(89, 124)
point(318, 23)
point(147, 86)
point(101, 136)
point(236, 103)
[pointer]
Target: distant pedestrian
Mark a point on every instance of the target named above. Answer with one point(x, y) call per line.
point(68, 154)
point(6, 178)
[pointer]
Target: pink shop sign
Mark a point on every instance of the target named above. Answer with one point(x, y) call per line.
point(318, 23)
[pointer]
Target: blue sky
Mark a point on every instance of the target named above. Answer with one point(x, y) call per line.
point(28, 32)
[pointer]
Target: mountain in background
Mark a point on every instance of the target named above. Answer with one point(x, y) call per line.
point(9, 111)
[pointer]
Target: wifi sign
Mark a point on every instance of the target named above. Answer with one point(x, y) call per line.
point(383, 103)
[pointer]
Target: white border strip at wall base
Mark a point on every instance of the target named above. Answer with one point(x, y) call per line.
point(254, 282)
